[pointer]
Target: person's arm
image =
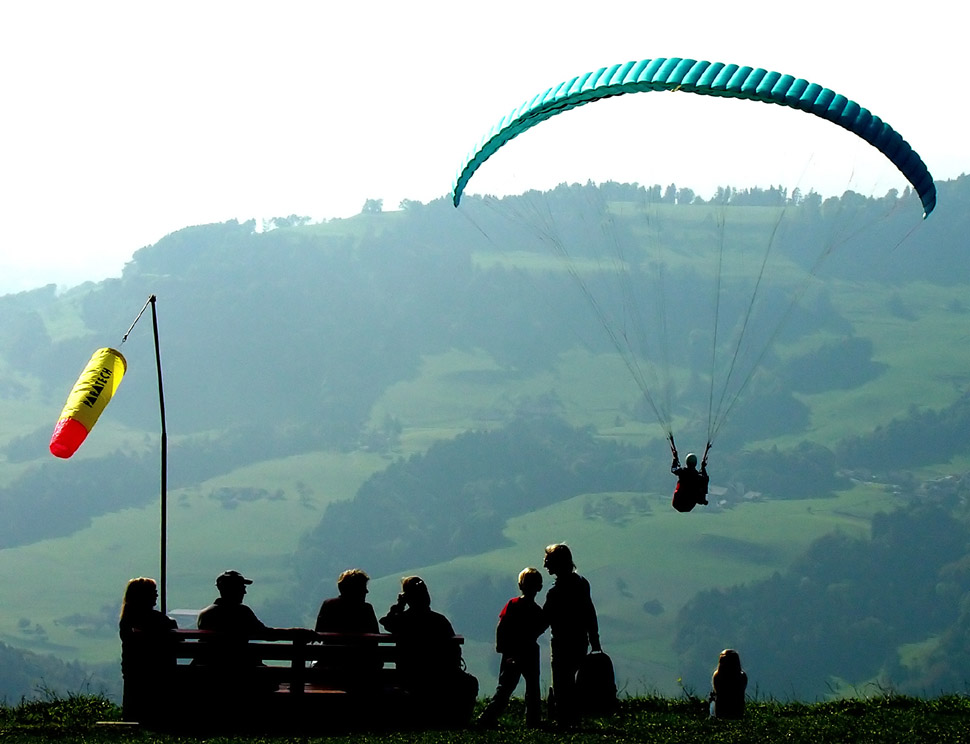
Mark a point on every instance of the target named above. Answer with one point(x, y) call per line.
point(449, 629)
point(254, 627)
point(705, 478)
point(372, 626)
point(502, 629)
point(257, 629)
point(204, 620)
point(542, 621)
point(592, 624)
point(392, 620)
point(594, 633)
point(287, 634)
point(321, 624)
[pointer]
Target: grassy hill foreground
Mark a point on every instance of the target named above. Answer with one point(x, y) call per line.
point(883, 718)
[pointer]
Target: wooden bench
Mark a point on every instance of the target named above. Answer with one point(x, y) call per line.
point(302, 681)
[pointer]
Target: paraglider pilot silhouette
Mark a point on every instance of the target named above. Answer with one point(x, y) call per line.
point(691, 488)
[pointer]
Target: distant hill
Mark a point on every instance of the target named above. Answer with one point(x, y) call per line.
point(396, 389)
point(325, 318)
point(28, 675)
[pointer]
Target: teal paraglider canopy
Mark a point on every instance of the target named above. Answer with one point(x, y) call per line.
point(709, 79)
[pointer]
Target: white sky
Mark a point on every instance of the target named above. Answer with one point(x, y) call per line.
point(124, 121)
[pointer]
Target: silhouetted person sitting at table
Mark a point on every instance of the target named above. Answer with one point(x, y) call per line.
point(234, 625)
point(729, 683)
point(349, 612)
point(429, 657)
point(147, 652)
point(354, 664)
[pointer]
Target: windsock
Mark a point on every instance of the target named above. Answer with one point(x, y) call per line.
point(91, 393)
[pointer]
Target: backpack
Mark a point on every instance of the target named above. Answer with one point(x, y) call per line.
point(596, 684)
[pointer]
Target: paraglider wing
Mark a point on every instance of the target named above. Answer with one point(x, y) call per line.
point(709, 79)
point(94, 388)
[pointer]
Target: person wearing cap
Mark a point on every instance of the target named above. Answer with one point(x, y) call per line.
point(237, 623)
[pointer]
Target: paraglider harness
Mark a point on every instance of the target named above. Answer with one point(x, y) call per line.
point(691, 488)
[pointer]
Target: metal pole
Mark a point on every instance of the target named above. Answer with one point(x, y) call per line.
point(163, 538)
point(162, 580)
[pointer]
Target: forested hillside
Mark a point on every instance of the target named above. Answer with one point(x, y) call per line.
point(470, 369)
point(861, 602)
point(28, 675)
point(320, 320)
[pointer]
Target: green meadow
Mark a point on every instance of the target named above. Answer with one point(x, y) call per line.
point(658, 555)
point(644, 560)
point(924, 354)
point(84, 574)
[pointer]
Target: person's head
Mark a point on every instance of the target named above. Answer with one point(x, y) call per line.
point(530, 581)
point(232, 585)
point(140, 594)
point(415, 592)
point(559, 559)
point(729, 660)
point(352, 584)
point(691, 460)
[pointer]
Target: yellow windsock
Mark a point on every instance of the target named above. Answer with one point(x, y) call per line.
point(91, 393)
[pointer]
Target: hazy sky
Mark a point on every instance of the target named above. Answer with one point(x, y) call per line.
point(125, 121)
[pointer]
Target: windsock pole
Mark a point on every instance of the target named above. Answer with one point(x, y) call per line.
point(163, 538)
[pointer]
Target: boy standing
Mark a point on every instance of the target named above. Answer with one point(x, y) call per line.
point(520, 623)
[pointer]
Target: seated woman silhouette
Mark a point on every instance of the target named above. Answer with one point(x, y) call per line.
point(729, 683)
point(429, 660)
point(147, 652)
point(428, 651)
